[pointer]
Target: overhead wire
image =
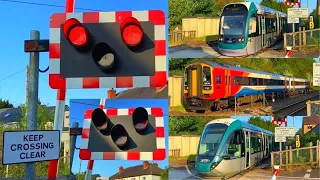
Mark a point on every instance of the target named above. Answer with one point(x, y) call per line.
point(50, 5)
point(13, 74)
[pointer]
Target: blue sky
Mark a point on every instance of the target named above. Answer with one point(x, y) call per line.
point(295, 121)
point(77, 110)
point(312, 3)
point(21, 19)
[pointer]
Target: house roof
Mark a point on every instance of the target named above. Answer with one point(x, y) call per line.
point(8, 115)
point(311, 120)
point(144, 93)
point(134, 171)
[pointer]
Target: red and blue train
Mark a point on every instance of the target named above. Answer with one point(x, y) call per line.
point(210, 85)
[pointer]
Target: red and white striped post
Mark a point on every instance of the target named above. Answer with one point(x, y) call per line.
point(289, 52)
point(91, 162)
point(276, 172)
point(53, 166)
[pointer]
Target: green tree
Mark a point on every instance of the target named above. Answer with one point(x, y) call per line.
point(309, 137)
point(274, 4)
point(165, 174)
point(264, 124)
point(44, 116)
point(5, 104)
point(189, 125)
point(316, 19)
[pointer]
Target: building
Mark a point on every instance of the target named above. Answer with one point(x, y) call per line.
point(310, 123)
point(146, 171)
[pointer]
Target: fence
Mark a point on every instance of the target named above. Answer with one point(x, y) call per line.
point(204, 26)
point(177, 36)
point(300, 156)
point(175, 87)
point(302, 38)
point(184, 145)
point(174, 152)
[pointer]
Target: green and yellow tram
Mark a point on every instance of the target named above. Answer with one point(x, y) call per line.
point(229, 146)
point(247, 27)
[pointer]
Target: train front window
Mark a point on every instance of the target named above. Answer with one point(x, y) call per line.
point(206, 75)
point(210, 139)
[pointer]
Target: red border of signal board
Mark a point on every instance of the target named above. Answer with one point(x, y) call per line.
point(158, 80)
point(159, 154)
point(292, 3)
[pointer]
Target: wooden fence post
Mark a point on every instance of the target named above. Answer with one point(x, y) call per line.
point(290, 156)
point(287, 158)
point(285, 40)
point(311, 153)
point(300, 38)
point(304, 36)
point(318, 154)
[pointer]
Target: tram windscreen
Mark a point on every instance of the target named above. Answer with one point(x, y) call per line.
point(210, 139)
point(232, 25)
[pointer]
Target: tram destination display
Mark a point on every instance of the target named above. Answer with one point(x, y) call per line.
point(30, 146)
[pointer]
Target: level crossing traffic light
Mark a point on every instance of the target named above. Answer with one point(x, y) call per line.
point(123, 134)
point(108, 50)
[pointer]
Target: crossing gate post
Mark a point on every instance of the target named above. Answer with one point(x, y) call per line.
point(276, 172)
point(53, 166)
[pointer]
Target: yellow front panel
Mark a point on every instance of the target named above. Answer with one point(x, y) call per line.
point(194, 78)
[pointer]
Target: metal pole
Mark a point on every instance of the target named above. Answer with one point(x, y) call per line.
point(73, 140)
point(30, 170)
point(264, 100)
point(7, 171)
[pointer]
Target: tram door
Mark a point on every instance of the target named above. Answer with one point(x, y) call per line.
point(263, 30)
point(247, 155)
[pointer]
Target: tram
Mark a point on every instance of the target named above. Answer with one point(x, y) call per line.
point(246, 28)
point(229, 146)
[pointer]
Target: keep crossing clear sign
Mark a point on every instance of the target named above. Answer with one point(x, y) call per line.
point(316, 74)
point(30, 146)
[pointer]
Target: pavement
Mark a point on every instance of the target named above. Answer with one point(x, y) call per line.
point(205, 51)
point(260, 172)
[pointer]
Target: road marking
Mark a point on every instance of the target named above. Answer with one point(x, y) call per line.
point(307, 175)
point(189, 172)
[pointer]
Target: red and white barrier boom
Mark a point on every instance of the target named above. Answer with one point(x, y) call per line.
point(276, 173)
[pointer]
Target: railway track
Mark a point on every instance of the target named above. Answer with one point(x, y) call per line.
point(293, 107)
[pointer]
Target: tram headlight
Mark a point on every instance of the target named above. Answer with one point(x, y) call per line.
point(214, 165)
point(221, 39)
point(241, 40)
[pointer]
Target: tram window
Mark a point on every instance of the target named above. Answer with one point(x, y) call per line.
point(206, 75)
point(253, 26)
point(218, 79)
point(259, 140)
point(260, 81)
point(243, 143)
point(265, 81)
point(232, 148)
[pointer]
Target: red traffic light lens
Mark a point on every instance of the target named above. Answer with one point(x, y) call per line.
point(75, 32)
point(131, 31)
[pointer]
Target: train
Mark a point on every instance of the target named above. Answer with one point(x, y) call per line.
point(229, 146)
point(215, 86)
point(247, 27)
